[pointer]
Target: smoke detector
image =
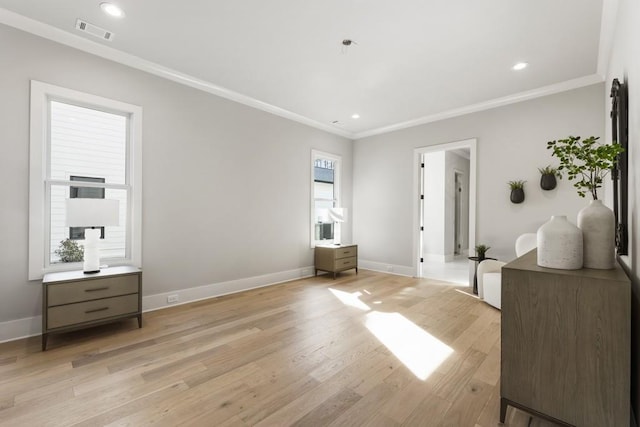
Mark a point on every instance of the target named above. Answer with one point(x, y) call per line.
point(94, 30)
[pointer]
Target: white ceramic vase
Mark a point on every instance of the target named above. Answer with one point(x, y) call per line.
point(597, 223)
point(559, 244)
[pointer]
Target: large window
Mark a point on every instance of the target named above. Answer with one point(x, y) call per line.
point(82, 146)
point(325, 188)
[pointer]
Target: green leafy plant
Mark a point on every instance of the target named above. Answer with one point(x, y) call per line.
point(514, 185)
point(549, 170)
point(481, 250)
point(70, 251)
point(586, 161)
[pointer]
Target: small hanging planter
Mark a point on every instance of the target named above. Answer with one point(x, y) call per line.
point(548, 178)
point(517, 191)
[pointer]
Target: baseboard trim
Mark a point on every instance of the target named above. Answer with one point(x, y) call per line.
point(438, 258)
point(20, 328)
point(186, 296)
point(399, 270)
point(32, 326)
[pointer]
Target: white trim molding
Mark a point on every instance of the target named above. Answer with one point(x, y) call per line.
point(398, 270)
point(488, 105)
point(41, 94)
point(32, 326)
point(50, 32)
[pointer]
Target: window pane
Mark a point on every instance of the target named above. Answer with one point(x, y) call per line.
point(87, 142)
point(62, 248)
point(324, 197)
point(323, 190)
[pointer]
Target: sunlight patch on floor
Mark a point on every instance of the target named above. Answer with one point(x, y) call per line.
point(417, 349)
point(350, 299)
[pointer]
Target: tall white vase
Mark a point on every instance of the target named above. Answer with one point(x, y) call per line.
point(559, 244)
point(597, 223)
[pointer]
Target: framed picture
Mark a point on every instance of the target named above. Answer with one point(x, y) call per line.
point(620, 172)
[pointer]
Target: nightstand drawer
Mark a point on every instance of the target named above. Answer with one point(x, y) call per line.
point(66, 293)
point(346, 263)
point(348, 251)
point(88, 311)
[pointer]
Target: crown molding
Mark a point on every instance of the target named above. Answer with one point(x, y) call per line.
point(50, 32)
point(487, 105)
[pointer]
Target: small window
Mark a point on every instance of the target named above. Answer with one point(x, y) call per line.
point(325, 195)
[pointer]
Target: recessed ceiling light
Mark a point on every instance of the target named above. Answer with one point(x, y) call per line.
point(112, 9)
point(520, 66)
point(355, 116)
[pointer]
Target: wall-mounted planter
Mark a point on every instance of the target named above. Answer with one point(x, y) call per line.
point(548, 177)
point(548, 181)
point(517, 191)
point(517, 195)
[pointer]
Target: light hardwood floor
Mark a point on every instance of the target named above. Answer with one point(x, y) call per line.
point(303, 353)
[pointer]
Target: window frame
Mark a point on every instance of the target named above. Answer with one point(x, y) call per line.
point(337, 182)
point(40, 182)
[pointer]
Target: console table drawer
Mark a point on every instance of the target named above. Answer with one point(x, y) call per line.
point(66, 293)
point(88, 311)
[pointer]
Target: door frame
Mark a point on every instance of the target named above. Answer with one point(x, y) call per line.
point(471, 144)
point(458, 208)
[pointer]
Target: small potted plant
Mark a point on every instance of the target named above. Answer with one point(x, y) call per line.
point(548, 177)
point(517, 191)
point(481, 251)
point(70, 251)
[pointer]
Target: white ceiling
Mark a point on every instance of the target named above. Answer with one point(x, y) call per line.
point(414, 59)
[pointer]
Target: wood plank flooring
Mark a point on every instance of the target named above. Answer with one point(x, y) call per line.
point(303, 353)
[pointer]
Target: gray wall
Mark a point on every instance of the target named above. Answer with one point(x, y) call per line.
point(226, 187)
point(511, 145)
point(625, 64)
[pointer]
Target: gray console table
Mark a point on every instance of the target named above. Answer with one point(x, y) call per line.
point(566, 343)
point(73, 300)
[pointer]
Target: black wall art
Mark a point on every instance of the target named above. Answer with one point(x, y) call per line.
point(620, 172)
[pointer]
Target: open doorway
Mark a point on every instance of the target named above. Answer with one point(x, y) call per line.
point(445, 220)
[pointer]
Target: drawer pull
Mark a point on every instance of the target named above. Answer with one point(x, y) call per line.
point(346, 262)
point(97, 289)
point(96, 310)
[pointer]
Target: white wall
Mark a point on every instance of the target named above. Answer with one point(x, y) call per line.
point(511, 145)
point(625, 64)
point(226, 187)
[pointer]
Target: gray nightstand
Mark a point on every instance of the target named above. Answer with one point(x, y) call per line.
point(335, 259)
point(73, 300)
